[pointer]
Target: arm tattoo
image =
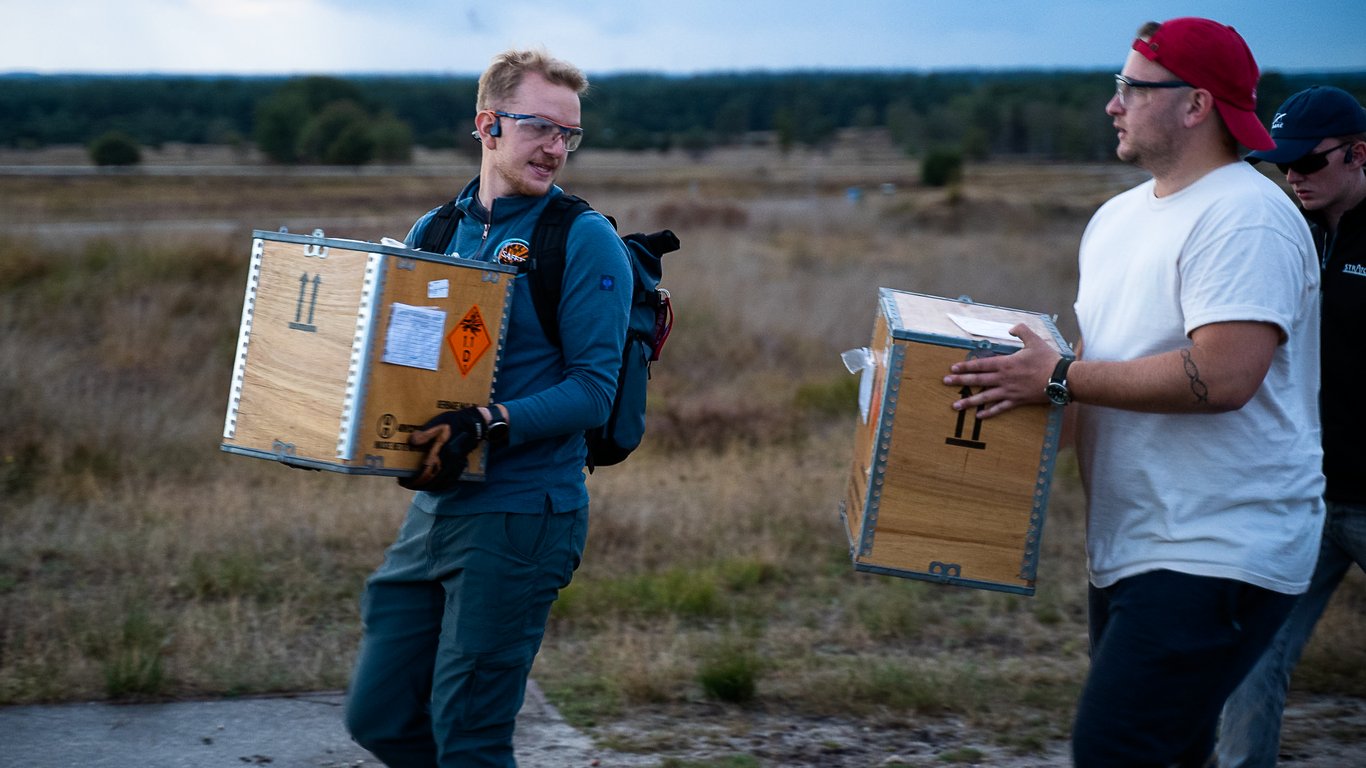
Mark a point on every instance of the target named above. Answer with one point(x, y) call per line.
point(1197, 386)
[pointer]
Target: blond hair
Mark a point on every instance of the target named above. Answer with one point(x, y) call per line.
point(505, 73)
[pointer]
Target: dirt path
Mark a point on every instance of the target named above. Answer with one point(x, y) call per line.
point(305, 731)
point(1319, 732)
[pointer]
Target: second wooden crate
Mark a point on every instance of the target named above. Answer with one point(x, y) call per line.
point(937, 494)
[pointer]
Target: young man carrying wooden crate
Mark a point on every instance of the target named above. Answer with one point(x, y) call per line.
point(454, 616)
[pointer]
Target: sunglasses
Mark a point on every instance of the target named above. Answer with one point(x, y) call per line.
point(1311, 163)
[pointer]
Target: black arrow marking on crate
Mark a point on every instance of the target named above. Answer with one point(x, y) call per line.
point(312, 304)
point(958, 438)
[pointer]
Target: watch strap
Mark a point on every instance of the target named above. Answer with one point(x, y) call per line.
point(1060, 371)
point(496, 427)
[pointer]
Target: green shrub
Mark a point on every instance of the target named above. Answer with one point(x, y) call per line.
point(133, 658)
point(730, 673)
point(941, 168)
point(393, 140)
point(337, 135)
point(225, 575)
point(837, 396)
point(115, 148)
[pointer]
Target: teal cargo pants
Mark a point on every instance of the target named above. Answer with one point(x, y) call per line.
point(452, 621)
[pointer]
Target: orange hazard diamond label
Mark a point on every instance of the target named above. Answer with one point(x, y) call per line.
point(469, 340)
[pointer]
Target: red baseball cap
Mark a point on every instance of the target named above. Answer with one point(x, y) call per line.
point(1214, 57)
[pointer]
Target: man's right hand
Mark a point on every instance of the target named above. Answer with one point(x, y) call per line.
point(449, 438)
point(1006, 381)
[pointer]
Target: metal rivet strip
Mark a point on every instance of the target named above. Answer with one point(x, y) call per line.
point(882, 448)
point(1029, 565)
point(360, 348)
point(502, 330)
point(239, 366)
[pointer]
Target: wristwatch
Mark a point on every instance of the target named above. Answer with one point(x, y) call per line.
point(1057, 390)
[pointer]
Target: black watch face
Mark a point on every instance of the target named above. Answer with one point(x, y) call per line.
point(498, 431)
point(1058, 393)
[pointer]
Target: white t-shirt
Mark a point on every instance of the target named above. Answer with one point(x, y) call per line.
point(1234, 495)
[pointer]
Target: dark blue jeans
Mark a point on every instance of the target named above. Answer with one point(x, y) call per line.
point(1166, 649)
point(1250, 731)
point(453, 620)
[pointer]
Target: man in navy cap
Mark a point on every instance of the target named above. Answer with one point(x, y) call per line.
point(1320, 136)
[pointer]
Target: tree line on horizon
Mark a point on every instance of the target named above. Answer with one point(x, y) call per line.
point(353, 120)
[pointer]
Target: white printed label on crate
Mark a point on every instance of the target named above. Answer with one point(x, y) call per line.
point(988, 328)
point(439, 289)
point(414, 336)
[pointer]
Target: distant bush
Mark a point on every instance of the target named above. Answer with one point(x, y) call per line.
point(115, 148)
point(837, 396)
point(393, 140)
point(696, 141)
point(941, 168)
point(337, 135)
point(328, 120)
point(696, 213)
point(279, 120)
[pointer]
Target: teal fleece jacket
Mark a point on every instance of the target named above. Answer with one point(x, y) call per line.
point(552, 393)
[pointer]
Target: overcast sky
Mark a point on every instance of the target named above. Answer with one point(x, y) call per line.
point(679, 36)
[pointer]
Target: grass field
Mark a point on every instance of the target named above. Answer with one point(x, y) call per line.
point(137, 560)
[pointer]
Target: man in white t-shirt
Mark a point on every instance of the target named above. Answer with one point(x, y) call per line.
point(1197, 426)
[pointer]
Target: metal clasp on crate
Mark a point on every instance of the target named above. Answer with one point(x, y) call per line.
point(314, 249)
point(945, 571)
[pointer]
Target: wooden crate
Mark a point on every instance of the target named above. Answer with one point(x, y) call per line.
point(346, 347)
point(933, 493)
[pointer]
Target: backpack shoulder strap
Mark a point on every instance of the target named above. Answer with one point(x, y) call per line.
point(440, 229)
point(548, 246)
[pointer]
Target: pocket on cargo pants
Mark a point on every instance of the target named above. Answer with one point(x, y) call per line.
point(553, 543)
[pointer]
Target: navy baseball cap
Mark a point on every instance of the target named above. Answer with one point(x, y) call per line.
point(1309, 117)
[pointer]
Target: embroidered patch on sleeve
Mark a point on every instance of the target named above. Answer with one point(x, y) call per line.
point(607, 283)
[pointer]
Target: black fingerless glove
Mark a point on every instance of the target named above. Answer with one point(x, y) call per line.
point(449, 438)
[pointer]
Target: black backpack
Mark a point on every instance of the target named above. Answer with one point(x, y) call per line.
point(647, 330)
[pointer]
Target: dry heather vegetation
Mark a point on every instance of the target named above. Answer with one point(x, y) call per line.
point(138, 561)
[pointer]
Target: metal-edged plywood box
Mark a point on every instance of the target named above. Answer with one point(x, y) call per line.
point(346, 347)
point(936, 494)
